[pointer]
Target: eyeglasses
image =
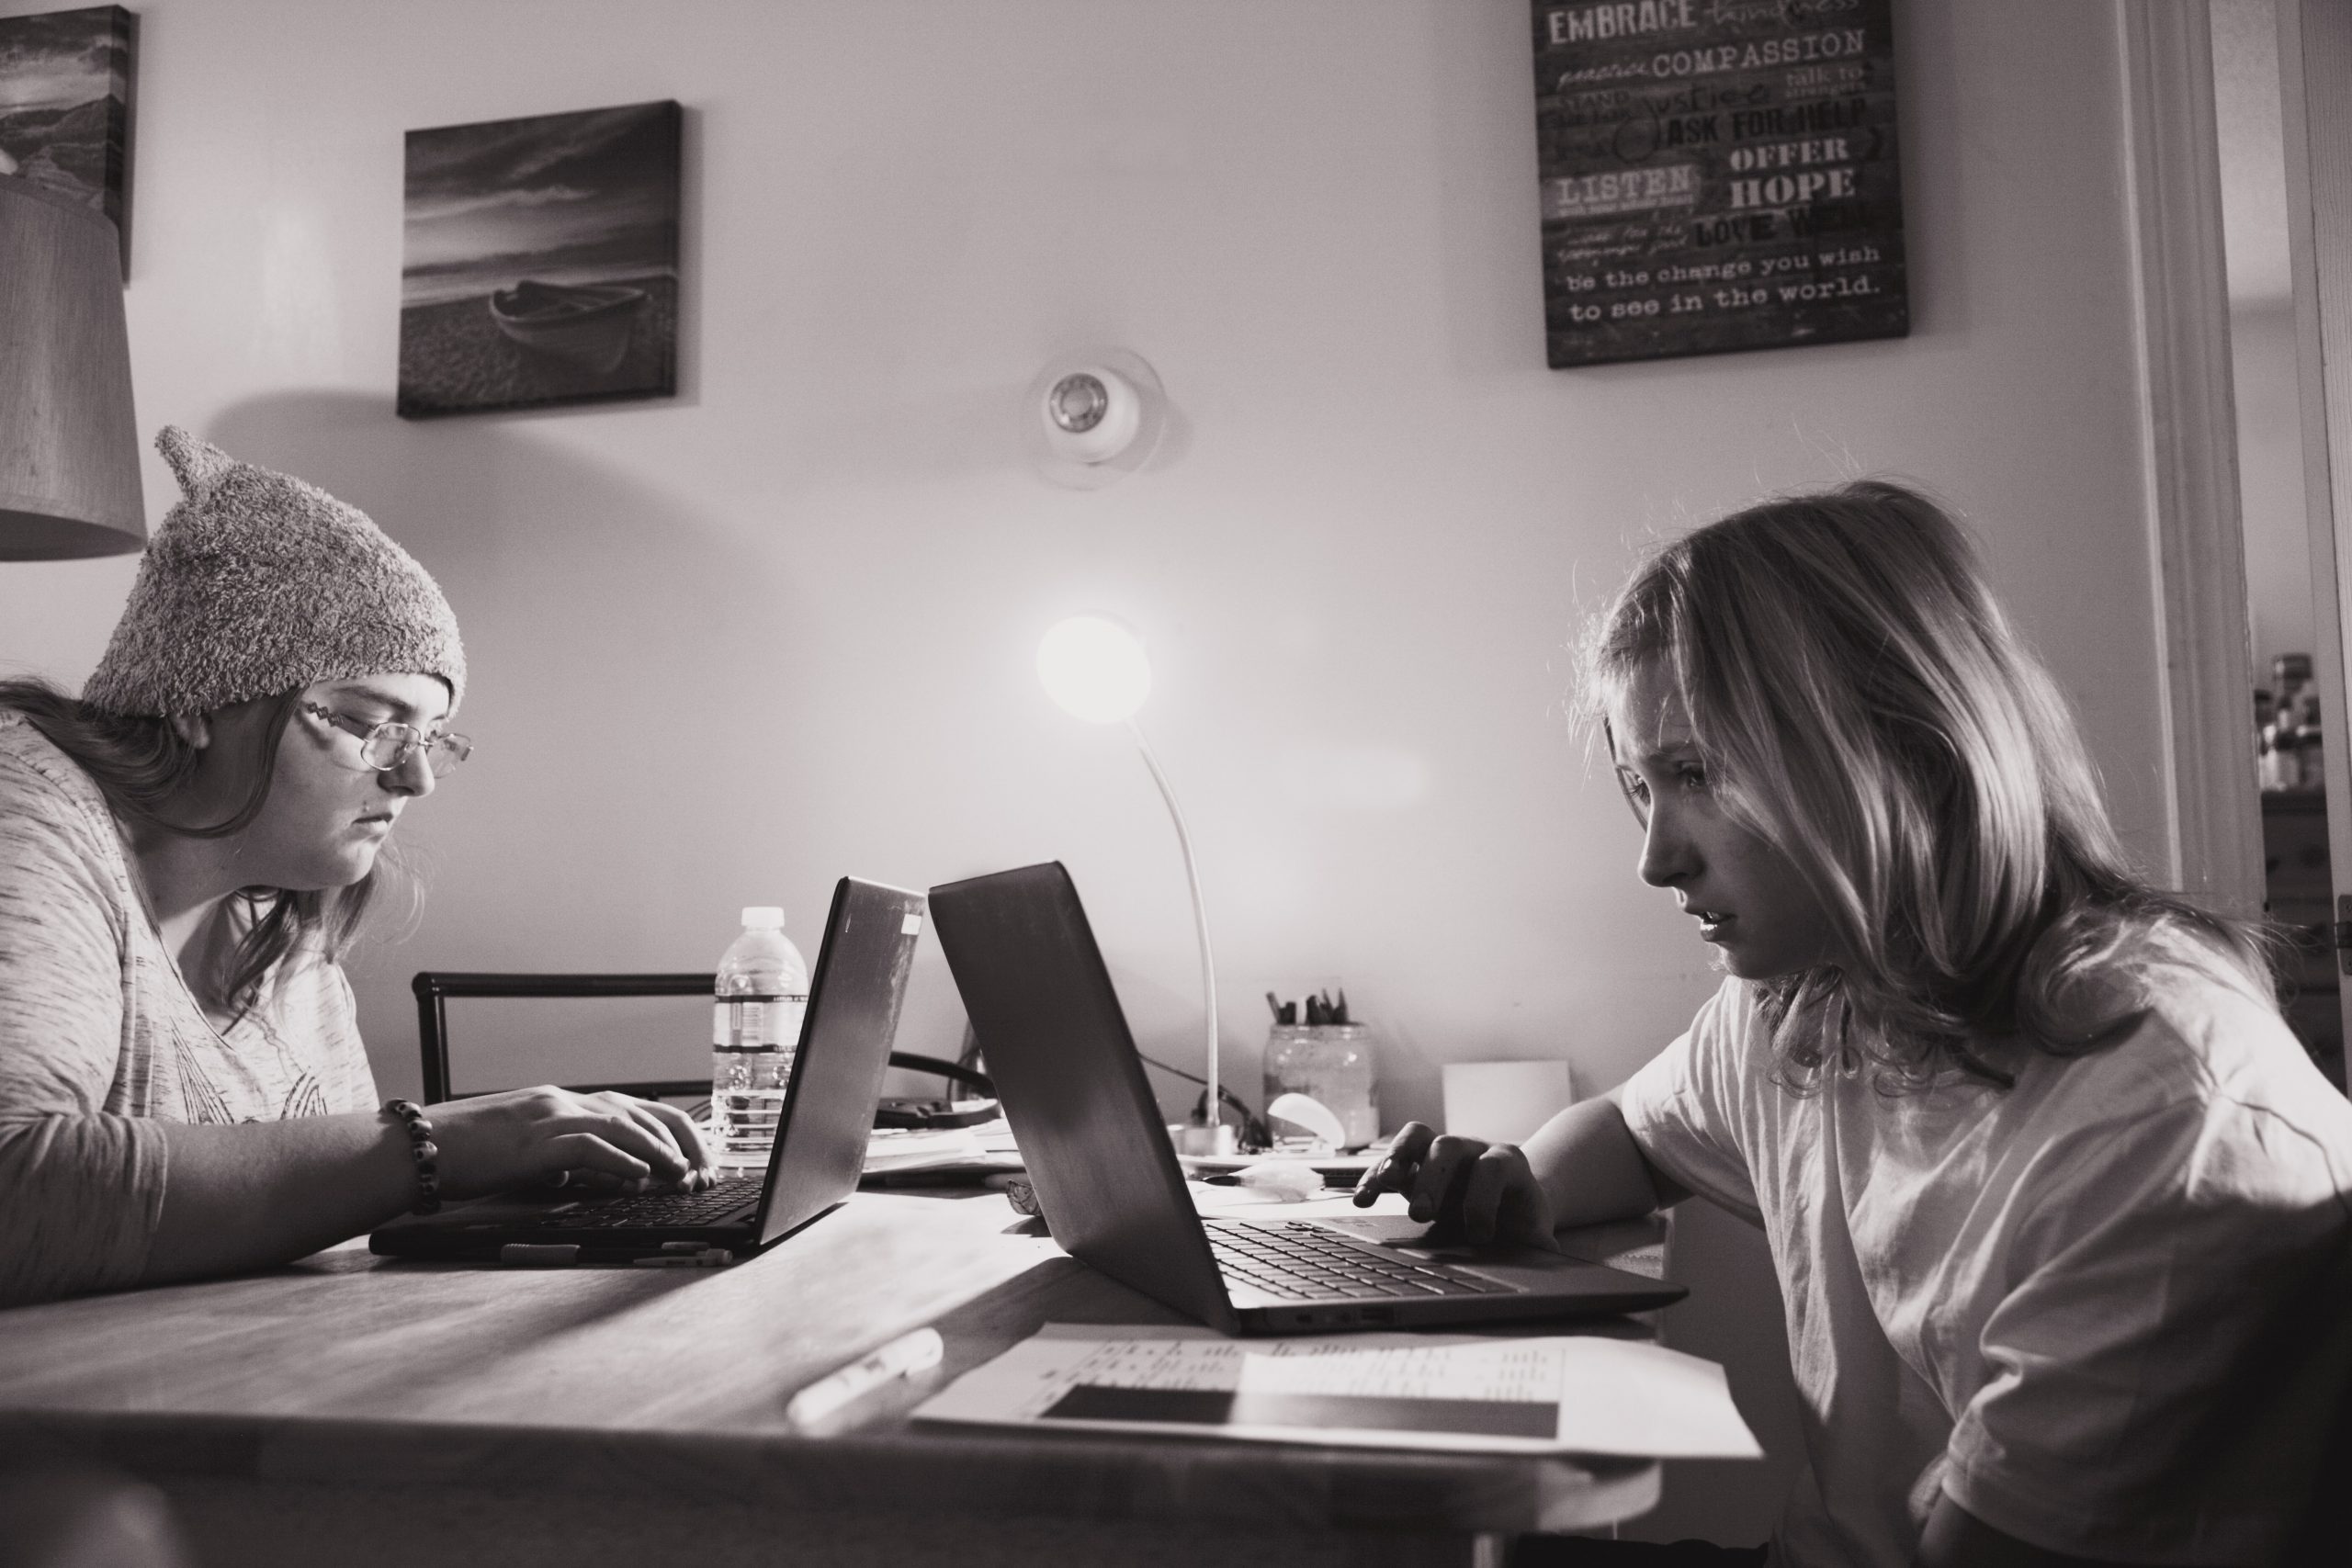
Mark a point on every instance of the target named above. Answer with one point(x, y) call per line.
point(387, 745)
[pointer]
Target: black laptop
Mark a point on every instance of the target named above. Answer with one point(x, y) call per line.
point(1050, 1024)
point(854, 1002)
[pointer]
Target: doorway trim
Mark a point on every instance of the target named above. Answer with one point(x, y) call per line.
point(2189, 453)
point(2315, 45)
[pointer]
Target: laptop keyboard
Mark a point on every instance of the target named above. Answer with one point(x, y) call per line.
point(658, 1209)
point(1299, 1261)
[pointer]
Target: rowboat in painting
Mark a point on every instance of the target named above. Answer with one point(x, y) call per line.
point(586, 324)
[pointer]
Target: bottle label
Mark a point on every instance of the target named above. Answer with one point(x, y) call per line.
point(756, 1023)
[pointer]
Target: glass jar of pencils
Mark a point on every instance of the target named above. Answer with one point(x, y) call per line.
point(1329, 1063)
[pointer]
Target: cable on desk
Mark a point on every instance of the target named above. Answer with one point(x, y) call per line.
point(1255, 1133)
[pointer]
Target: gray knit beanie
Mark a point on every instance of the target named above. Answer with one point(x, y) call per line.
point(258, 583)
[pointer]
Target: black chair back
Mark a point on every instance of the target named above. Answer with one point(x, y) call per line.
point(434, 987)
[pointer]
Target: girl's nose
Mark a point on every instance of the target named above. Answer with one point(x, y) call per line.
point(1667, 856)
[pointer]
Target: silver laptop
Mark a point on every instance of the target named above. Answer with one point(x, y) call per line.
point(821, 1136)
point(1050, 1027)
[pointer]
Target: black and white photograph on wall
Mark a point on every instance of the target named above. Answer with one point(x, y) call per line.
point(1716, 175)
point(539, 262)
point(66, 106)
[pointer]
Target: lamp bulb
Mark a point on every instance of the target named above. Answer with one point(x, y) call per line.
point(1095, 669)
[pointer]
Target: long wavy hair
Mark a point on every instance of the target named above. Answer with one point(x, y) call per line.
point(142, 765)
point(1861, 701)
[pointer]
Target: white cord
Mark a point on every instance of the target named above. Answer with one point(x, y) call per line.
point(1200, 926)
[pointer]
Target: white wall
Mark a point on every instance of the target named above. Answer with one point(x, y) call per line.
point(2271, 479)
point(731, 646)
point(728, 646)
point(2262, 329)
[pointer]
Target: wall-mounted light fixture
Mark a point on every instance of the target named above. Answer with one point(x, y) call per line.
point(1096, 669)
point(1094, 416)
point(69, 438)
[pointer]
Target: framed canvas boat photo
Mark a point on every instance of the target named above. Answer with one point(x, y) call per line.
point(539, 262)
point(66, 106)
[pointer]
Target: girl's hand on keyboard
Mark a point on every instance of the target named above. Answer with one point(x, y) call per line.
point(550, 1136)
point(1463, 1189)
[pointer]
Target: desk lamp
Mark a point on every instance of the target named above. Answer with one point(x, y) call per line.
point(1096, 670)
point(69, 439)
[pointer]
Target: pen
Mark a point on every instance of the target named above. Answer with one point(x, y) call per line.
point(901, 1358)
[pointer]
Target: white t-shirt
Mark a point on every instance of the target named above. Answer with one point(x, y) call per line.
point(2105, 1310)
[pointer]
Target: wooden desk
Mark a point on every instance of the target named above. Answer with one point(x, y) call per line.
point(351, 1411)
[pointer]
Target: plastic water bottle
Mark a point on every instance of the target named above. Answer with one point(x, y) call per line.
point(758, 1003)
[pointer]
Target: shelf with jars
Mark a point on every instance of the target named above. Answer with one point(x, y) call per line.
point(2289, 755)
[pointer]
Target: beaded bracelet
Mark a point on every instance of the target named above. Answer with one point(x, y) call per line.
point(421, 1145)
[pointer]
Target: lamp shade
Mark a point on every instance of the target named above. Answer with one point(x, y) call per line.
point(69, 438)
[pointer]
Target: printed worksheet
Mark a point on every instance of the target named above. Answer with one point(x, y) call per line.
point(1561, 1393)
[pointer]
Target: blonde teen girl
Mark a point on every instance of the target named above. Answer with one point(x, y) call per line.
point(2057, 1203)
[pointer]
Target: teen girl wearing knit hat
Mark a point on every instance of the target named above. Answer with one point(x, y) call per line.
point(183, 854)
point(2057, 1203)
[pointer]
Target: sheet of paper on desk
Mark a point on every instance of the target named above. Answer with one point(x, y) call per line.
point(1559, 1393)
point(986, 1147)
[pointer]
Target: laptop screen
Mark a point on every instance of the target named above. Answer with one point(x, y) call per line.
point(852, 1015)
point(1073, 1089)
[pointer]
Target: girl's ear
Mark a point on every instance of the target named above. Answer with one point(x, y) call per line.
point(194, 728)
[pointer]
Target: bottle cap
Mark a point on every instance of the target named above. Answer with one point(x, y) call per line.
point(763, 916)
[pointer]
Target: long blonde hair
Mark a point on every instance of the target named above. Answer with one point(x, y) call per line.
point(1862, 702)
